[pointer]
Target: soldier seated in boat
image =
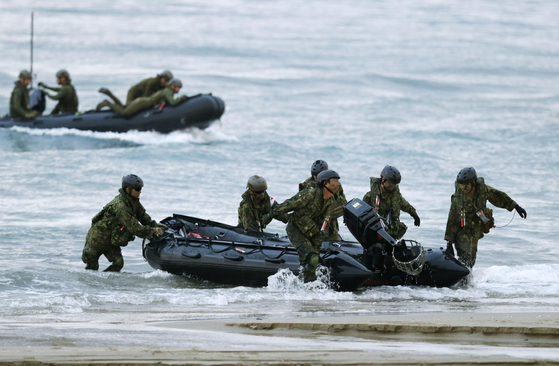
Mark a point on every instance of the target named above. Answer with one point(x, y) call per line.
point(162, 96)
point(143, 89)
point(255, 204)
point(66, 94)
point(332, 229)
point(117, 224)
point(19, 100)
point(311, 212)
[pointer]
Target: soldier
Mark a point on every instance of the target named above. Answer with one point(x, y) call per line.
point(143, 89)
point(469, 217)
point(332, 229)
point(66, 94)
point(117, 224)
point(162, 96)
point(255, 204)
point(310, 209)
point(385, 197)
point(19, 101)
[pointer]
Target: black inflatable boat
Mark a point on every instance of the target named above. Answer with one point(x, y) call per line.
point(198, 111)
point(225, 254)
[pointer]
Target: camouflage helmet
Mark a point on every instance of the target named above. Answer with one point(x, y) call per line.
point(391, 174)
point(318, 166)
point(63, 73)
point(132, 181)
point(166, 74)
point(466, 175)
point(175, 82)
point(257, 183)
point(325, 175)
point(24, 74)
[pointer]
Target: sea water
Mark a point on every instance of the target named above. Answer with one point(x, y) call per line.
point(427, 86)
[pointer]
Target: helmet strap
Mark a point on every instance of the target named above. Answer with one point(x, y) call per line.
point(328, 189)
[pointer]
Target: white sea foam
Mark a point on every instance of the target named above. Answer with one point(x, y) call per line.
point(191, 135)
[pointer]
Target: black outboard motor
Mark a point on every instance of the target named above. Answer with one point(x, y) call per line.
point(369, 228)
point(37, 100)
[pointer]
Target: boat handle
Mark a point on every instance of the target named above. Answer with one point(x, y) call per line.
point(237, 258)
point(193, 256)
point(275, 261)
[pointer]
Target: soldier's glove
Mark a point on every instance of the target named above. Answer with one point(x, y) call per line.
point(267, 218)
point(449, 249)
point(416, 220)
point(158, 231)
point(41, 84)
point(163, 226)
point(521, 211)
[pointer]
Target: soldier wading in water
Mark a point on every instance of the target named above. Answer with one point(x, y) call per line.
point(331, 232)
point(305, 228)
point(117, 224)
point(469, 217)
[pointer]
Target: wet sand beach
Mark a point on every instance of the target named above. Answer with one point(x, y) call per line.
point(474, 339)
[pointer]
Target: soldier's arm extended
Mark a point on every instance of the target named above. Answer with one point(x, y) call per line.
point(18, 97)
point(407, 207)
point(500, 199)
point(168, 94)
point(283, 217)
point(130, 223)
point(53, 88)
point(146, 220)
point(63, 92)
point(295, 202)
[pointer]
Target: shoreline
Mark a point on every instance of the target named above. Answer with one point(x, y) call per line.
point(497, 332)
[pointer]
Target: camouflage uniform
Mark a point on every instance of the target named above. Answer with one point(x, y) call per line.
point(251, 212)
point(144, 88)
point(113, 227)
point(466, 237)
point(19, 101)
point(331, 232)
point(309, 213)
point(66, 96)
point(385, 202)
point(162, 96)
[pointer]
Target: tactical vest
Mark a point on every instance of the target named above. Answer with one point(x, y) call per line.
point(479, 202)
point(69, 105)
point(119, 235)
point(376, 191)
point(310, 218)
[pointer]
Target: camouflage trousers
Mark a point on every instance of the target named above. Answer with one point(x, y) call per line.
point(129, 109)
point(466, 247)
point(93, 250)
point(307, 248)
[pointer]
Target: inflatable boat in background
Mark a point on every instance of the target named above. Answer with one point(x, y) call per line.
point(199, 111)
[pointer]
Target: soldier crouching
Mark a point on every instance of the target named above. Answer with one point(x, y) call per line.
point(117, 224)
